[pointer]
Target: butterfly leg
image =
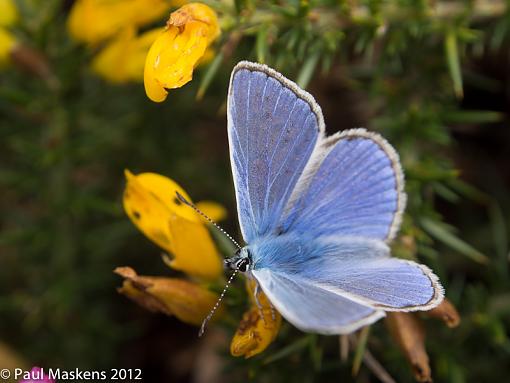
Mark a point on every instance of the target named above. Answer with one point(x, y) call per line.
point(273, 311)
point(256, 293)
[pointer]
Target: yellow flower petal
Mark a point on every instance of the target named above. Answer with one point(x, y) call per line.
point(7, 43)
point(123, 59)
point(8, 13)
point(172, 296)
point(92, 21)
point(207, 57)
point(213, 210)
point(177, 51)
point(255, 334)
point(147, 209)
point(194, 251)
point(150, 201)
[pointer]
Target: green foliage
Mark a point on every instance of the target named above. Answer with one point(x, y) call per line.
point(66, 139)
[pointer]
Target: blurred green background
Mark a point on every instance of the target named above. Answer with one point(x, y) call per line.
point(432, 76)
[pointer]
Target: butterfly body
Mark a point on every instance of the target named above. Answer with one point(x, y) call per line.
point(284, 252)
point(317, 212)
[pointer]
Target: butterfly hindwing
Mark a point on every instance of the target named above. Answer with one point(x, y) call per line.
point(357, 268)
point(353, 187)
point(312, 308)
point(273, 127)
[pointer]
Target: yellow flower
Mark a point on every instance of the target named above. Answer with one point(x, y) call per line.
point(8, 17)
point(188, 301)
point(7, 43)
point(8, 13)
point(122, 60)
point(92, 21)
point(177, 50)
point(150, 201)
point(255, 333)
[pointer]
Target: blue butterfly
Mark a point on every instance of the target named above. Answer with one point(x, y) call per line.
point(317, 212)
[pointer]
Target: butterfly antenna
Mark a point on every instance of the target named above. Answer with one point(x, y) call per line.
point(191, 205)
point(217, 304)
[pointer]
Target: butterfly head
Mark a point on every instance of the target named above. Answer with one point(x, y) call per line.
point(241, 261)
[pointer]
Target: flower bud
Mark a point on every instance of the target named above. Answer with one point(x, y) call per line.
point(177, 51)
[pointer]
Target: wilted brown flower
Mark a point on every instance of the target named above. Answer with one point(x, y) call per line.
point(409, 334)
point(407, 330)
point(255, 333)
point(186, 300)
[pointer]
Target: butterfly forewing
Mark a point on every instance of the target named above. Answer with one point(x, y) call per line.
point(272, 133)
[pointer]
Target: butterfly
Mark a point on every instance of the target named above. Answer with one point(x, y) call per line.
point(317, 212)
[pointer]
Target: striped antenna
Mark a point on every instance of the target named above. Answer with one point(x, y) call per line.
point(191, 205)
point(217, 304)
